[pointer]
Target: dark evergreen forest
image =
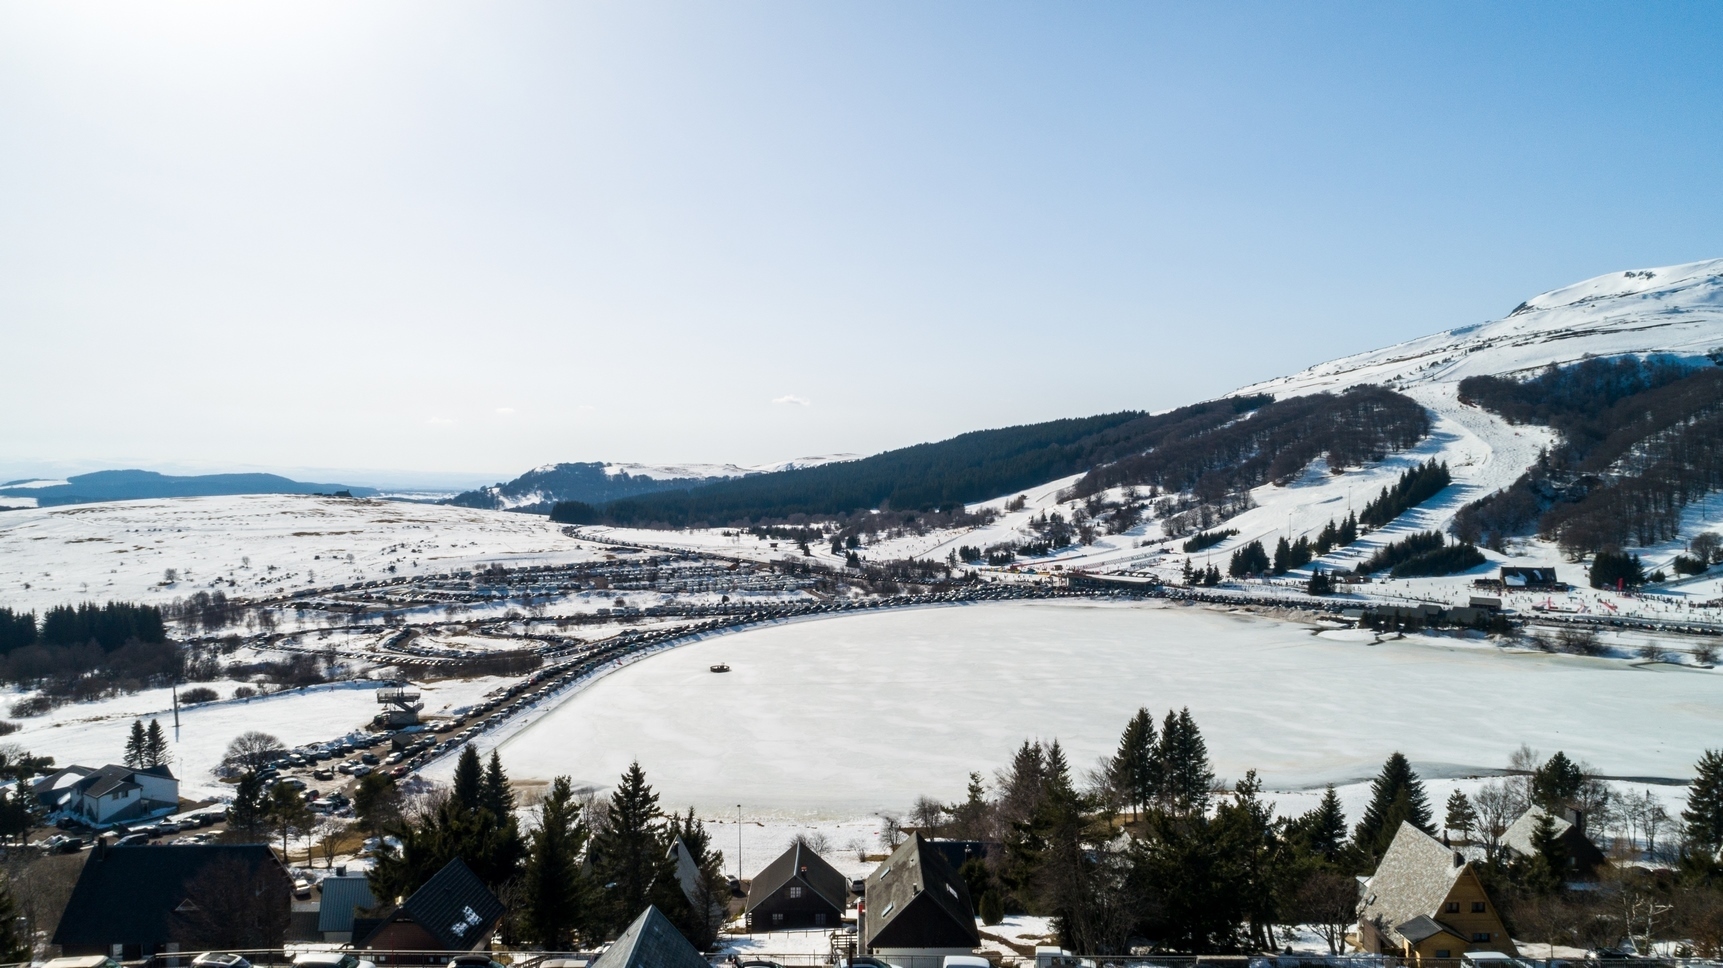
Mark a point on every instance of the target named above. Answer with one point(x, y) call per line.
point(1640, 440)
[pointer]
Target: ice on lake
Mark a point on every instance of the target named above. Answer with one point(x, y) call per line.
point(847, 715)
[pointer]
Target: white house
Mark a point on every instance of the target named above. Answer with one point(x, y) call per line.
point(110, 795)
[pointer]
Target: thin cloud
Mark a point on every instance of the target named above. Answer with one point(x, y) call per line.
point(789, 399)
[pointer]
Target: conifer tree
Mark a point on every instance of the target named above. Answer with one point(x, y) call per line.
point(156, 751)
point(495, 794)
point(1544, 870)
point(1704, 813)
point(1349, 530)
point(1133, 767)
point(1282, 557)
point(1461, 816)
point(1395, 795)
point(247, 814)
point(1185, 775)
point(703, 911)
point(557, 895)
point(630, 854)
point(1325, 828)
point(137, 745)
point(469, 782)
point(1556, 784)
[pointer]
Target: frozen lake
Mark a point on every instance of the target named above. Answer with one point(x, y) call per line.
point(849, 715)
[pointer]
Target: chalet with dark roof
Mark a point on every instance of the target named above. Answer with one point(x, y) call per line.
point(798, 890)
point(1530, 579)
point(110, 795)
point(916, 908)
point(135, 902)
point(454, 911)
point(1583, 856)
point(1425, 902)
point(650, 942)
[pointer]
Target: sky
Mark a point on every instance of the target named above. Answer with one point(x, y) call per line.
point(453, 241)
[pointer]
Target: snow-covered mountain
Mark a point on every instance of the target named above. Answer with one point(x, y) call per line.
point(540, 488)
point(1675, 310)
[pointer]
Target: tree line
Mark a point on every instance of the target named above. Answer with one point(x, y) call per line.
point(1415, 486)
point(1640, 440)
point(1148, 849)
point(109, 626)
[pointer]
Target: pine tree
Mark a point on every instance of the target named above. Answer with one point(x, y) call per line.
point(1325, 826)
point(1133, 767)
point(1461, 816)
point(1395, 795)
point(1349, 530)
point(1556, 784)
point(156, 751)
point(1320, 583)
point(557, 896)
point(495, 794)
point(287, 813)
point(1544, 871)
point(1282, 557)
point(247, 815)
point(137, 745)
point(469, 782)
point(1186, 778)
point(704, 911)
point(970, 819)
point(630, 853)
point(1704, 813)
point(14, 947)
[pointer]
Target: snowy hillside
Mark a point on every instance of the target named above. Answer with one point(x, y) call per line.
point(539, 489)
point(254, 545)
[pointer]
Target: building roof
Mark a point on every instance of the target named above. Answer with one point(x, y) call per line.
point(1422, 927)
point(1414, 878)
point(127, 895)
point(650, 942)
point(340, 895)
point(813, 870)
point(454, 906)
point(1518, 836)
point(1527, 576)
point(915, 900)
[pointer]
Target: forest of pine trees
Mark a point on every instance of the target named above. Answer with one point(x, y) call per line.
point(1414, 487)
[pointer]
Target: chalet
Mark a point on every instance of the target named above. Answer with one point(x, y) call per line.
point(342, 898)
point(1583, 856)
point(917, 910)
point(688, 878)
point(136, 902)
point(454, 911)
point(650, 942)
point(798, 890)
point(107, 796)
point(1425, 902)
point(1531, 579)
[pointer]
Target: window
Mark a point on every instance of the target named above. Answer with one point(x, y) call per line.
point(1453, 907)
point(778, 918)
point(1443, 953)
point(793, 893)
point(1477, 907)
point(1480, 936)
point(819, 919)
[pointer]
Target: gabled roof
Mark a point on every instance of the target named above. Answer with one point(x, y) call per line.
point(1518, 836)
point(1414, 878)
point(650, 942)
point(128, 894)
point(1423, 926)
point(455, 907)
point(915, 900)
point(800, 861)
point(340, 895)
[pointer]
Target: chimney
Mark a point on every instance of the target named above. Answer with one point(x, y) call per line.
point(1459, 859)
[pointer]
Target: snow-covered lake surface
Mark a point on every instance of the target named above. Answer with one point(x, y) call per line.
point(847, 716)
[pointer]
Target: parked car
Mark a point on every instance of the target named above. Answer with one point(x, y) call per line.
point(83, 961)
point(218, 959)
point(473, 961)
point(330, 959)
point(133, 840)
point(369, 758)
point(323, 774)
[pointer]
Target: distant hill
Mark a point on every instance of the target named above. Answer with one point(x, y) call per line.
point(132, 485)
point(539, 489)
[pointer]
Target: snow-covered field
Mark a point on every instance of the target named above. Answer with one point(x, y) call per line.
point(845, 717)
point(254, 546)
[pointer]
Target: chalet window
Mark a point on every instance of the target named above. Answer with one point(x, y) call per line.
point(1453, 907)
point(777, 917)
point(1480, 936)
point(1477, 907)
point(1443, 953)
point(819, 919)
point(794, 892)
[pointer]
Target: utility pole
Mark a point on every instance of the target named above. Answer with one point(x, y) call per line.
point(738, 843)
point(176, 712)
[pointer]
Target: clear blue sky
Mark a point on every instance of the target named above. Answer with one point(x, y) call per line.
point(478, 237)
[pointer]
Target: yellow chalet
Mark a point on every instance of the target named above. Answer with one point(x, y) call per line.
point(1426, 903)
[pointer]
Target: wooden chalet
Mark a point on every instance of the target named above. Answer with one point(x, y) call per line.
point(453, 912)
point(137, 902)
point(798, 890)
point(1583, 856)
point(917, 910)
point(651, 941)
point(1426, 903)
